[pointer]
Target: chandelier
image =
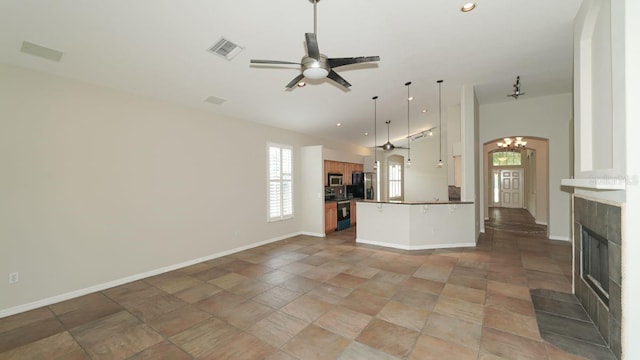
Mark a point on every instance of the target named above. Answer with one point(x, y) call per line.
point(512, 145)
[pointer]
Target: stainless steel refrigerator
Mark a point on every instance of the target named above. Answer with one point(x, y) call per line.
point(370, 186)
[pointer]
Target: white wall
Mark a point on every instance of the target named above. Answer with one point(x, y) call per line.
point(424, 180)
point(311, 192)
point(453, 140)
point(470, 150)
point(545, 117)
point(99, 185)
point(624, 122)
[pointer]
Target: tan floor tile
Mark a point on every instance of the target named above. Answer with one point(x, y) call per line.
point(277, 328)
point(204, 337)
point(346, 281)
point(387, 337)
point(460, 309)
point(171, 323)
point(454, 330)
point(210, 274)
point(419, 299)
point(133, 293)
point(515, 291)
point(430, 348)
point(228, 281)
point(197, 293)
point(173, 282)
point(254, 271)
point(434, 287)
point(221, 303)
point(154, 307)
point(507, 321)
point(316, 343)
point(297, 268)
point(404, 315)
point(464, 293)
point(250, 288)
point(359, 351)
point(468, 281)
point(435, 272)
point(501, 302)
point(25, 318)
point(511, 346)
point(194, 269)
point(162, 351)
point(279, 355)
point(307, 308)
point(246, 314)
point(117, 336)
point(365, 272)
point(33, 331)
point(240, 346)
point(391, 277)
point(320, 274)
point(300, 284)
point(276, 277)
point(380, 288)
point(344, 322)
point(60, 346)
point(277, 297)
point(84, 309)
point(364, 302)
point(329, 293)
point(556, 354)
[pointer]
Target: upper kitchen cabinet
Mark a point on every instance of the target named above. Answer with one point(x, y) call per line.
point(344, 168)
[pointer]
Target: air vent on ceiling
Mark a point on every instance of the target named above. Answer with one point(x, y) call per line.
point(40, 51)
point(226, 49)
point(214, 100)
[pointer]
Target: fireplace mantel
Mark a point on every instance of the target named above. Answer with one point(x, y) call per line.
point(596, 183)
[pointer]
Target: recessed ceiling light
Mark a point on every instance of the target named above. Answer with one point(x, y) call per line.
point(410, 98)
point(424, 111)
point(338, 124)
point(468, 7)
point(366, 134)
point(302, 84)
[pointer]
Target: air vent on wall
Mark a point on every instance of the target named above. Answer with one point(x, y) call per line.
point(226, 49)
point(40, 51)
point(214, 100)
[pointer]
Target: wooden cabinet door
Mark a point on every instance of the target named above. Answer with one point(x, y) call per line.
point(353, 212)
point(330, 217)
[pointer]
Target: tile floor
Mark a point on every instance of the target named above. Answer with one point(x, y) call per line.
point(312, 298)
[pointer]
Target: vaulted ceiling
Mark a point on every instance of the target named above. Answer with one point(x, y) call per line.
point(158, 48)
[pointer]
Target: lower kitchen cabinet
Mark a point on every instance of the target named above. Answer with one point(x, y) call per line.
point(353, 212)
point(330, 216)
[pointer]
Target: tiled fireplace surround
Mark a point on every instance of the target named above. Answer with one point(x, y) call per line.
point(606, 220)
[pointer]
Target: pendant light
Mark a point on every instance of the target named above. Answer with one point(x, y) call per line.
point(375, 132)
point(440, 164)
point(409, 98)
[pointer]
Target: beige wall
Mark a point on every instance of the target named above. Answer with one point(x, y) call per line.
point(99, 185)
point(547, 117)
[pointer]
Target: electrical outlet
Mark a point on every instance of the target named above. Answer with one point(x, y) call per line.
point(14, 277)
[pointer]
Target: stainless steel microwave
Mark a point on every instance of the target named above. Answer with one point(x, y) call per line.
point(335, 179)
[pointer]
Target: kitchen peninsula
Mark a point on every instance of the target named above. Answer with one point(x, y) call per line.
point(416, 225)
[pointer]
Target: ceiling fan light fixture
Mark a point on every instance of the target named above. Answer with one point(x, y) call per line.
point(302, 84)
point(315, 73)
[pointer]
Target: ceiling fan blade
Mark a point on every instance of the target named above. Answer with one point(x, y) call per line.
point(334, 63)
point(339, 79)
point(295, 81)
point(312, 46)
point(254, 61)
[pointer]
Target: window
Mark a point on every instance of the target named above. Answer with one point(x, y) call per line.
point(280, 181)
point(506, 158)
point(395, 179)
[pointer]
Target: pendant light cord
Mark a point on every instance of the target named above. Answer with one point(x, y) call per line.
point(375, 132)
point(440, 114)
point(408, 123)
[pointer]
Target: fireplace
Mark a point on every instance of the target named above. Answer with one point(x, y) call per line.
point(595, 263)
point(598, 266)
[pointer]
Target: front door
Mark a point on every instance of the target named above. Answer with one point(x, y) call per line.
point(511, 188)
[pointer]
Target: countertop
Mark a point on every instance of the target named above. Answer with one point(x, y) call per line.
point(342, 199)
point(442, 202)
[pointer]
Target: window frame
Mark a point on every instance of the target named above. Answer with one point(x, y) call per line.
point(282, 179)
point(391, 181)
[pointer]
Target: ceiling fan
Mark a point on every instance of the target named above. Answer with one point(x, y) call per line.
point(388, 146)
point(315, 65)
point(516, 89)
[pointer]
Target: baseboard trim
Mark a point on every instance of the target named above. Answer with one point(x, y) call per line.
point(99, 287)
point(560, 238)
point(542, 223)
point(414, 247)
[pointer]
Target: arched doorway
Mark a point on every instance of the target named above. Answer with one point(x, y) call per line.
point(517, 179)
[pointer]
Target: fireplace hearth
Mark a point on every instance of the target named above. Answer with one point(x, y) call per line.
point(598, 266)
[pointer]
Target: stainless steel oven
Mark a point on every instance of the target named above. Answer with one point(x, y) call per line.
point(344, 214)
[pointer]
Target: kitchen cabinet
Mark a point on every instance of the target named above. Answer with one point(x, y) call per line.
point(353, 212)
point(330, 216)
point(344, 168)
